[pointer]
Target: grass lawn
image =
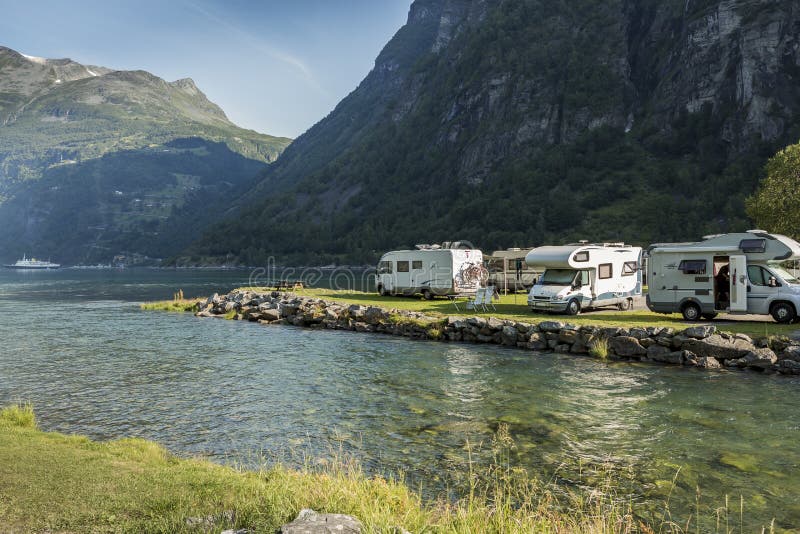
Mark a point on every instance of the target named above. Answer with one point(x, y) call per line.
point(51, 482)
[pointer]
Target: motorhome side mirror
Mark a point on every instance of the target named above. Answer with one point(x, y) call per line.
point(773, 282)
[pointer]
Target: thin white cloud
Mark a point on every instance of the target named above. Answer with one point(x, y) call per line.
point(260, 45)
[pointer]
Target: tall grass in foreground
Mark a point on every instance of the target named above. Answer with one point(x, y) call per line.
point(18, 415)
point(598, 347)
point(54, 482)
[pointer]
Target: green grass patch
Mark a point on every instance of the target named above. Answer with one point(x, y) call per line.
point(60, 483)
point(179, 303)
point(598, 347)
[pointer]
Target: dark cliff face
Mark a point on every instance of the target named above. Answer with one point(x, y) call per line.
point(593, 119)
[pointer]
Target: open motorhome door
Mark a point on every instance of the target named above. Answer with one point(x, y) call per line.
point(738, 266)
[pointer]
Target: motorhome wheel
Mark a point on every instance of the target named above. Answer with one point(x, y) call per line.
point(573, 307)
point(427, 295)
point(691, 311)
point(625, 305)
point(782, 312)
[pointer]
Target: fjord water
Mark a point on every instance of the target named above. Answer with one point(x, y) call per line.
point(76, 345)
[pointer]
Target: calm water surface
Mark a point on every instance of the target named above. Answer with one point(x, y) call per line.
point(76, 345)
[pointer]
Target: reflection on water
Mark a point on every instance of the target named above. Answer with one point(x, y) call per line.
point(91, 362)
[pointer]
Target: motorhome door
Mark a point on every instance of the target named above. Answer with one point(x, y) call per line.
point(738, 283)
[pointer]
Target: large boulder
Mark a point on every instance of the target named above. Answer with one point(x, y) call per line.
point(760, 359)
point(700, 332)
point(508, 335)
point(550, 326)
point(310, 522)
point(718, 347)
point(626, 346)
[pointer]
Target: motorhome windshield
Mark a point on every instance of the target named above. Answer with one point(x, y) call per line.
point(787, 277)
point(558, 277)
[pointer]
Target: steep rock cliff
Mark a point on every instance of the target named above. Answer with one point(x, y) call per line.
point(528, 121)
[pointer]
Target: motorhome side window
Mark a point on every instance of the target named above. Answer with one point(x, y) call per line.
point(581, 256)
point(758, 275)
point(629, 268)
point(693, 266)
point(583, 277)
point(604, 271)
point(402, 266)
point(416, 264)
point(385, 267)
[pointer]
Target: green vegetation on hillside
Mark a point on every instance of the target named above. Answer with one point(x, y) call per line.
point(523, 130)
point(150, 201)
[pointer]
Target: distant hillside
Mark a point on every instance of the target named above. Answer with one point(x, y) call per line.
point(511, 122)
point(70, 131)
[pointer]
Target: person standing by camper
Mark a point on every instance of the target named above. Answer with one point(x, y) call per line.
point(723, 283)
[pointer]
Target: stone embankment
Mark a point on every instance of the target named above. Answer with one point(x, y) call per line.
point(696, 346)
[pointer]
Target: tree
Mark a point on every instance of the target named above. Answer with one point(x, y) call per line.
point(775, 206)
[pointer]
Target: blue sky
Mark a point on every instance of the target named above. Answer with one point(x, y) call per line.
point(274, 66)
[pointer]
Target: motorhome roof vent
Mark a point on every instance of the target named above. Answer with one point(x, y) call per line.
point(619, 244)
point(446, 244)
point(422, 246)
point(583, 241)
point(757, 231)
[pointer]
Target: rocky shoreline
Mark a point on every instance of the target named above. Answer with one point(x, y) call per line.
point(699, 346)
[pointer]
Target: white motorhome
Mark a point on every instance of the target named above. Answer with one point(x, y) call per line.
point(581, 276)
point(731, 273)
point(430, 270)
point(508, 270)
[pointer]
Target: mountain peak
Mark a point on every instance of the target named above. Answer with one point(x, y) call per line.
point(187, 85)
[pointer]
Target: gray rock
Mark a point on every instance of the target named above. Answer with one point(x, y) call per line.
point(708, 362)
point(562, 349)
point(699, 332)
point(509, 335)
point(550, 326)
point(654, 351)
point(626, 346)
point(567, 336)
point(611, 331)
point(718, 347)
point(675, 357)
point(638, 333)
point(494, 324)
point(760, 358)
point(310, 522)
point(678, 340)
point(791, 353)
point(789, 367)
point(647, 342)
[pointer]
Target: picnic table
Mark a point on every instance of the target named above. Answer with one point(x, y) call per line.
point(286, 285)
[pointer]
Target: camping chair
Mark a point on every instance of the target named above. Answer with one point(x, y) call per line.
point(479, 301)
point(489, 293)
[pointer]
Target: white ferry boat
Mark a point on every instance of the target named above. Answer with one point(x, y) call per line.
point(32, 263)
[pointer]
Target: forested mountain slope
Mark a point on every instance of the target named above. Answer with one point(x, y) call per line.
point(76, 140)
point(514, 122)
